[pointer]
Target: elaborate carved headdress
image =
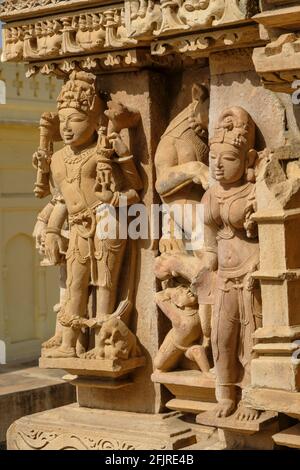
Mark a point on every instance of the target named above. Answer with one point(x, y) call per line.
point(235, 127)
point(80, 93)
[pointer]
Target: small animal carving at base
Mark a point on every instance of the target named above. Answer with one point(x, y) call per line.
point(116, 342)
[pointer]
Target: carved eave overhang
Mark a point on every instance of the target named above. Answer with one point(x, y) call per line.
point(56, 36)
point(283, 18)
point(12, 10)
point(278, 63)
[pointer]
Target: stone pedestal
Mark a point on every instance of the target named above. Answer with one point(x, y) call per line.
point(289, 437)
point(236, 434)
point(75, 428)
point(194, 392)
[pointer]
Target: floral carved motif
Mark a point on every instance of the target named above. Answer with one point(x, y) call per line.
point(32, 439)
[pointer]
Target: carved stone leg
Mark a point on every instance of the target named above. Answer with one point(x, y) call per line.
point(78, 275)
point(225, 337)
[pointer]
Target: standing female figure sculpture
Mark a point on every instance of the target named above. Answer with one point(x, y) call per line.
point(231, 247)
point(89, 173)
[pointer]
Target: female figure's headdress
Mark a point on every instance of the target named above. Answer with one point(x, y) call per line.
point(235, 127)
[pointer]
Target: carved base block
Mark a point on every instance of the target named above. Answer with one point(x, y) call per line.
point(276, 372)
point(103, 383)
point(262, 440)
point(194, 392)
point(235, 434)
point(233, 424)
point(93, 367)
point(289, 437)
point(273, 400)
point(74, 428)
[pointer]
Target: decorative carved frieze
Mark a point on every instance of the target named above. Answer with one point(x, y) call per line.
point(148, 18)
point(77, 34)
point(202, 44)
point(76, 428)
point(123, 25)
point(155, 15)
point(100, 63)
point(11, 9)
point(39, 439)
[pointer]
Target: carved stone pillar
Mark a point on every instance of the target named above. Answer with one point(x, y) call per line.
point(275, 371)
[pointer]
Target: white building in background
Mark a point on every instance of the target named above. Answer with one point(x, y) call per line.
point(27, 291)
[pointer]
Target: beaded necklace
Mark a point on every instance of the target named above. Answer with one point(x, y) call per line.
point(76, 161)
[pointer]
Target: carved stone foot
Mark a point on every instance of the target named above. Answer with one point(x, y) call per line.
point(53, 342)
point(59, 352)
point(225, 408)
point(96, 353)
point(247, 414)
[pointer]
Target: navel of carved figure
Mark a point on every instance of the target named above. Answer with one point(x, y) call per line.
point(231, 242)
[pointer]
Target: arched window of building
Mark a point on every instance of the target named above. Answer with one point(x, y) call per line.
point(2, 92)
point(2, 352)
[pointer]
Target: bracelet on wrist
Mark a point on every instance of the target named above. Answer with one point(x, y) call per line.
point(115, 200)
point(41, 219)
point(54, 230)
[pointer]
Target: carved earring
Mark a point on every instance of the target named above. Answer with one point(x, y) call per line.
point(250, 163)
point(250, 175)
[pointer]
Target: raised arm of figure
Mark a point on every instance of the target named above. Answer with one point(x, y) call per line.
point(171, 311)
point(171, 176)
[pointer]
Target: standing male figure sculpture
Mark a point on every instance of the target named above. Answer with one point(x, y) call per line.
point(88, 175)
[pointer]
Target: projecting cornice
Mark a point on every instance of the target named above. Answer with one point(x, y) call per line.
point(58, 30)
point(278, 63)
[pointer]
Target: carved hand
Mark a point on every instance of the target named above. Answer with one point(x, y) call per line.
point(41, 161)
point(165, 267)
point(201, 175)
point(118, 145)
point(39, 233)
point(54, 248)
point(105, 196)
point(209, 262)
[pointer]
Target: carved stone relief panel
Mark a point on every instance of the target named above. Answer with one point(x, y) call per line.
point(126, 25)
point(59, 36)
point(21, 8)
point(150, 18)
